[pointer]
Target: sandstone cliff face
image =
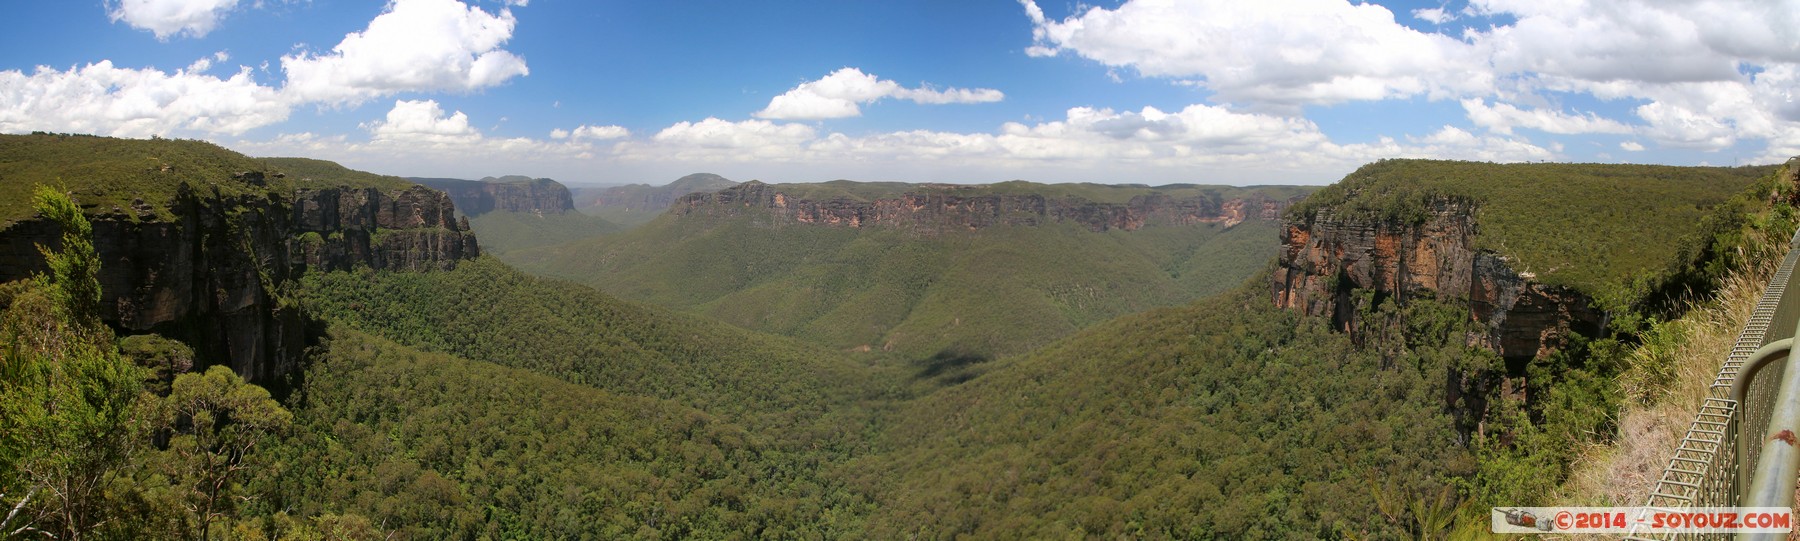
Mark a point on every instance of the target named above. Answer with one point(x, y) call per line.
point(1324, 258)
point(940, 211)
point(213, 276)
point(510, 194)
point(652, 198)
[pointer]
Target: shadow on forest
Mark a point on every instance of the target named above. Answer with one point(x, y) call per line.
point(951, 366)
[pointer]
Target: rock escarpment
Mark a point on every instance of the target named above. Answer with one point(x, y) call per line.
point(508, 194)
point(652, 198)
point(941, 208)
point(1324, 259)
point(215, 276)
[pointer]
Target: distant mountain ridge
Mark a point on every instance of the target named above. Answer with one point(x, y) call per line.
point(211, 236)
point(634, 204)
point(1009, 360)
point(514, 211)
point(933, 273)
point(1529, 245)
point(952, 206)
point(645, 196)
point(511, 193)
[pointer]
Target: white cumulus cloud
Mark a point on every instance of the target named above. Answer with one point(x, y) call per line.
point(167, 18)
point(591, 132)
point(1086, 143)
point(416, 45)
point(102, 99)
point(1709, 74)
point(1433, 15)
point(423, 121)
point(1282, 54)
point(418, 137)
point(1639, 40)
point(1198, 143)
point(841, 93)
point(413, 46)
point(713, 138)
point(1503, 117)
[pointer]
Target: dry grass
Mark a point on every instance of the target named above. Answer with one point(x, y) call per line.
point(1623, 472)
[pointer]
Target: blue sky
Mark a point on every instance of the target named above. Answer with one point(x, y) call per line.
point(1152, 91)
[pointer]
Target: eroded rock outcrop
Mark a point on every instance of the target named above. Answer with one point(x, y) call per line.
point(941, 208)
point(508, 194)
point(214, 276)
point(652, 198)
point(1323, 259)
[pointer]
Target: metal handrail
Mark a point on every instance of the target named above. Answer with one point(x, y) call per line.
point(1712, 464)
point(1773, 351)
point(1740, 386)
point(1772, 481)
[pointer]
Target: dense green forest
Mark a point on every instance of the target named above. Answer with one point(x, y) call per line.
point(502, 231)
point(486, 311)
point(115, 439)
point(385, 439)
point(1612, 231)
point(1087, 191)
point(432, 446)
point(1172, 418)
point(483, 402)
point(632, 205)
point(899, 295)
point(130, 177)
point(1226, 418)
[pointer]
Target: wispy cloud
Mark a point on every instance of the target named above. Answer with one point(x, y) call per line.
point(841, 94)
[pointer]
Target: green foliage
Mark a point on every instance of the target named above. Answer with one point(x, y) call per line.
point(311, 173)
point(631, 421)
point(633, 205)
point(430, 446)
point(1215, 420)
point(1520, 464)
point(624, 218)
point(502, 232)
point(161, 358)
point(77, 456)
point(901, 295)
point(214, 424)
point(486, 311)
point(1609, 230)
point(1527, 447)
point(68, 416)
point(131, 177)
point(1759, 236)
point(1576, 393)
point(1087, 191)
point(68, 421)
point(485, 403)
point(74, 271)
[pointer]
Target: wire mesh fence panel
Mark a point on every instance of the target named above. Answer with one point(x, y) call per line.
point(1710, 465)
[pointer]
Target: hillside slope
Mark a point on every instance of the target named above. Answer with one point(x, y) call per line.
point(517, 212)
point(632, 205)
point(1607, 230)
point(955, 272)
point(512, 193)
point(486, 311)
point(596, 418)
point(1563, 265)
point(394, 441)
point(1227, 418)
point(1392, 372)
point(200, 243)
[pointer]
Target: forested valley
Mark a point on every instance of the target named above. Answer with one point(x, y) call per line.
point(439, 394)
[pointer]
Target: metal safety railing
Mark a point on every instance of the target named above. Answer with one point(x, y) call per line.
point(1716, 463)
